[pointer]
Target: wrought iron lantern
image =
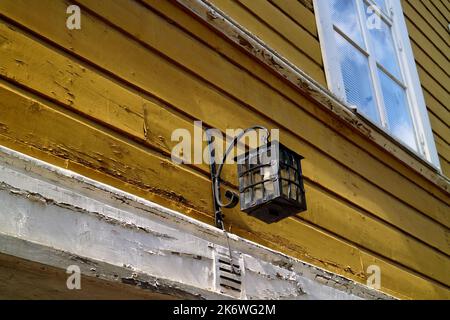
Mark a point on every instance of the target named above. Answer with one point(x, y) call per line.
point(270, 181)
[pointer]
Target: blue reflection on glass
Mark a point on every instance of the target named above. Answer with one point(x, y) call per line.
point(397, 110)
point(344, 16)
point(382, 43)
point(381, 4)
point(356, 77)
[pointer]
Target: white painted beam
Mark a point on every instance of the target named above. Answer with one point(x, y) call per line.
point(59, 218)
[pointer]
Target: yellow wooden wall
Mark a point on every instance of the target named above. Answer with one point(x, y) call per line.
point(289, 26)
point(427, 22)
point(104, 100)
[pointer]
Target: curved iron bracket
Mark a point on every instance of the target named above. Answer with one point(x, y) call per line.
point(216, 170)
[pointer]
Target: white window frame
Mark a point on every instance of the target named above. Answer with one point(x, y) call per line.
point(416, 102)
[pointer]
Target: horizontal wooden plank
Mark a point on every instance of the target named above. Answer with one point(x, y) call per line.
point(187, 103)
point(308, 4)
point(285, 27)
point(422, 57)
point(447, 5)
point(299, 13)
point(435, 88)
point(443, 7)
point(436, 13)
point(40, 81)
point(436, 107)
point(435, 71)
point(440, 128)
point(112, 101)
point(442, 147)
point(335, 216)
point(445, 166)
point(417, 12)
point(52, 130)
point(300, 239)
point(196, 29)
point(273, 39)
point(423, 42)
point(356, 186)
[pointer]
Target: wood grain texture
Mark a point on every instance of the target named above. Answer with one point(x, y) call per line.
point(435, 12)
point(430, 39)
point(125, 103)
point(296, 238)
point(306, 55)
point(299, 13)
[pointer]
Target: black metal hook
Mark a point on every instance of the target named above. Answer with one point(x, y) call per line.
point(233, 197)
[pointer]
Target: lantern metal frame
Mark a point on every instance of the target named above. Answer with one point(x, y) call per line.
point(270, 208)
point(271, 182)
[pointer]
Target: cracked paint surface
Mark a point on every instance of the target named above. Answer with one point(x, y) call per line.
point(109, 234)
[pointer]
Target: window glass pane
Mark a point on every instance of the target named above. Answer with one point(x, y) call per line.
point(382, 43)
point(356, 77)
point(397, 110)
point(344, 15)
point(381, 4)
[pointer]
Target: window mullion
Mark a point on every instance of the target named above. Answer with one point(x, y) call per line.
point(386, 17)
point(330, 54)
point(372, 66)
point(350, 40)
point(418, 129)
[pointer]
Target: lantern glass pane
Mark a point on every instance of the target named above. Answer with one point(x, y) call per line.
point(292, 163)
point(284, 172)
point(275, 183)
point(285, 187)
point(257, 177)
point(258, 192)
point(253, 160)
point(248, 196)
point(269, 188)
point(286, 157)
point(292, 160)
point(265, 156)
point(243, 181)
point(293, 194)
point(266, 172)
point(292, 174)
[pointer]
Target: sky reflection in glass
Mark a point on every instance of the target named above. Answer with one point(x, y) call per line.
point(356, 77)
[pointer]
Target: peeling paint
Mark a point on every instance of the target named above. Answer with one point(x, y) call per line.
point(110, 238)
point(282, 67)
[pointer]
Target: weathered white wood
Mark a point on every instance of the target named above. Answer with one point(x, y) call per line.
point(58, 218)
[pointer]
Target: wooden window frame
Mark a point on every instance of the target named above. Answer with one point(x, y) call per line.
point(410, 78)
